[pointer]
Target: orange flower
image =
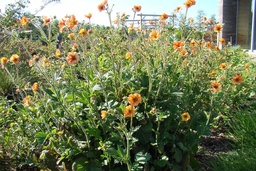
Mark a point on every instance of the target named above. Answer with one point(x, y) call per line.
point(216, 86)
point(36, 58)
point(61, 25)
point(116, 21)
point(164, 16)
point(177, 9)
point(72, 21)
point(191, 20)
point(26, 101)
point(194, 51)
point(185, 117)
point(89, 16)
point(223, 66)
point(46, 20)
point(151, 22)
point(71, 35)
point(4, 60)
point(128, 55)
point(74, 47)
point(129, 111)
point(57, 53)
point(183, 52)
point(178, 45)
point(89, 31)
point(134, 99)
point(213, 73)
point(193, 43)
point(210, 21)
point(82, 32)
point(154, 35)
point(237, 79)
point(30, 63)
point(189, 3)
point(105, 2)
point(35, 87)
point(247, 66)
point(14, 59)
point(218, 28)
point(101, 7)
point(217, 48)
point(222, 41)
point(72, 58)
point(24, 20)
point(136, 8)
point(103, 114)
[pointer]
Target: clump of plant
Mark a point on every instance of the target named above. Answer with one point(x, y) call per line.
point(140, 100)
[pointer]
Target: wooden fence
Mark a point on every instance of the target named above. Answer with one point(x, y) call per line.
point(144, 20)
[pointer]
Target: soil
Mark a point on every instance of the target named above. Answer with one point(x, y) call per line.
point(212, 146)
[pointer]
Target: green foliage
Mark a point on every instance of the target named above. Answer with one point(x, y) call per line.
point(81, 117)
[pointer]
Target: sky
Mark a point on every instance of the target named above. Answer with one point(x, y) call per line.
point(81, 7)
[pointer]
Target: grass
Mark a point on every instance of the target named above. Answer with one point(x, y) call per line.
point(243, 157)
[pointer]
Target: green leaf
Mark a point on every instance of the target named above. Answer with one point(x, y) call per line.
point(97, 87)
point(142, 158)
point(41, 137)
point(83, 164)
point(177, 155)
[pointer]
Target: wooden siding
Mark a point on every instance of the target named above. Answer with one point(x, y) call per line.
point(244, 23)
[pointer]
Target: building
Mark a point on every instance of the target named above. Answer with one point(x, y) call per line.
point(238, 17)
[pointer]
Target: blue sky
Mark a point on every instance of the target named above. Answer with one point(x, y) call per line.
point(81, 7)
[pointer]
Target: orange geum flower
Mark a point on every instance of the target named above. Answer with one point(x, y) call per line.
point(36, 58)
point(247, 66)
point(222, 41)
point(82, 32)
point(71, 35)
point(57, 53)
point(210, 21)
point(103, 114)
point(101, 7)
point(72, 58)
point(154, 35)
point(223, 66)
point(116, 21)
point(151, 22)
point(24, 20)
point(4, 60)
point(105, 2)
point(177, 9)
point(189, 3)
point(134, 99)
point(183, 52)
point(89, 16)
point(136, 8)
point(75, 46)
point(216, 86)
point(129, 111)
point(14, 58)
point(62, 24)
point(26, 101)
point(218, 28)
point(178, 45)
point(72, 21)
point(89, 31)
point(192, 43)
point(164, 16)
point(237, 79)
point(46, 20)
point(185, 117)
point(35, 86)
point(191, 20)
point(128, 55)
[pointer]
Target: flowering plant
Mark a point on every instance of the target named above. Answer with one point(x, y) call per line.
point(111, 101)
